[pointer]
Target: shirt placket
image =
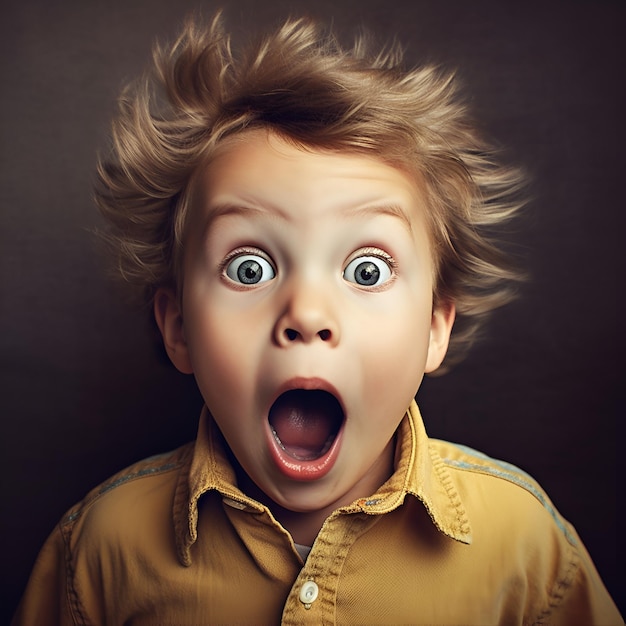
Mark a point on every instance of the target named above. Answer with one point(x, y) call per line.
point(313, 597)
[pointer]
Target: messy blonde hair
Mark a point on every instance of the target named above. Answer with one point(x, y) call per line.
point(300, 83)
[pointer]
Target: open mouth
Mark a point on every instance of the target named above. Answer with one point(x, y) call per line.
point(305, 423)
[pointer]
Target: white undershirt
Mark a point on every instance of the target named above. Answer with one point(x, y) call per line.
point(303, 551)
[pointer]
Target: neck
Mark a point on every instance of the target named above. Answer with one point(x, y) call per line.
point(304, 526)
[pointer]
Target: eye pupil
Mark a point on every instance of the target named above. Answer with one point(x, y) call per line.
point(250, 272)
point(367, 273)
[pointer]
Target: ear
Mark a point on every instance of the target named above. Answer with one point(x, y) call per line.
point(169, 319)
point(440, 329)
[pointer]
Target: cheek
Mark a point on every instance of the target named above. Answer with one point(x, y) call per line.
point(221, 352)
point(396, 358)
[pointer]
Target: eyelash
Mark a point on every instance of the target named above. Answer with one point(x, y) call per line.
point(233, 254)
point(377, 252)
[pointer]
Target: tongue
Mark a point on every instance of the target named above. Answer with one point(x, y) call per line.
point(306, 422)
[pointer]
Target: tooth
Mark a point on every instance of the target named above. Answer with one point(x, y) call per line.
point(280, 443)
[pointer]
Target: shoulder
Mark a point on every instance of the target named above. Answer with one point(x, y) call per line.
point(512, 497)
point(515, 524)
point(515, 529)
point(129, 498)
point(124, 521)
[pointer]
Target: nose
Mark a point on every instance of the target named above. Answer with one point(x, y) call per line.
point(307, 317)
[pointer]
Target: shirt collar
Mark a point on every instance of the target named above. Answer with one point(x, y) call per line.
point(420, 473)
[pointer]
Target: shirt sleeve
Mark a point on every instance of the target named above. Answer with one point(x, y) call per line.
point(45, 601)
point(583, 600)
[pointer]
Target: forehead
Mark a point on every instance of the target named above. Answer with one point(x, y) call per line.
point(260, 170)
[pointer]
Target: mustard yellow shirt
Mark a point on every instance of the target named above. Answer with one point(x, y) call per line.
point(452, 538)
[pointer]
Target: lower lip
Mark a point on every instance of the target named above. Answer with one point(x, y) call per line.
point(303, 471)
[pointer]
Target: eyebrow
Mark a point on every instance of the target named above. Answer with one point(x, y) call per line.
point(392, 210)
point(225, 209)
point(228, 208)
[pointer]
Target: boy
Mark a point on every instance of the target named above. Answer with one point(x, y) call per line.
point(307, 223)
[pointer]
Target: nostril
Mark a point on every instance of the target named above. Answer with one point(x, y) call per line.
point(292, 334)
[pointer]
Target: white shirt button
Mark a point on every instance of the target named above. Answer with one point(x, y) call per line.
point(309, 593)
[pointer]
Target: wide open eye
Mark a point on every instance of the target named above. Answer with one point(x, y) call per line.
point(367, 271)
point(250, 269)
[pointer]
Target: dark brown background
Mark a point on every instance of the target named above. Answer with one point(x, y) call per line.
point(83, 391)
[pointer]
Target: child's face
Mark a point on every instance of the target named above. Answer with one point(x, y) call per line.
point(307, 315)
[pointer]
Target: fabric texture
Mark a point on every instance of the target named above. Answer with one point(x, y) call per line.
point(453, 537)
